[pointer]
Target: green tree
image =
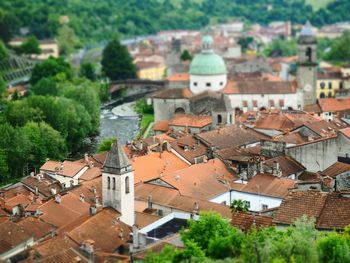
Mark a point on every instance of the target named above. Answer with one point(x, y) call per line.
point(30, 46)
point(4, 169)
point(85, 93)
point(340, 48)
point(105, 145)
point(116, 61)
point(3, 51)
point(245, 42)
point(333, 248)
point(186, 55)
point(87, 70)
point(46, 86)
point(3, 89)
point(52, 67)
point(19, 112)
point(44, 142)
point(239, 205)
point(202, 231)
point(281, 48)
point(67, 40)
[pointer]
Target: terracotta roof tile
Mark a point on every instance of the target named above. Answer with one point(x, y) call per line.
point(104, 229)
point(188, 120)
point(269, 185)
point(334, 104)
point(69, 210)
point(64, 256)
point(194, 180)
point(91, 173)
point(229, 137)
point(173, 94)
point(54, 245)
point(36, 227)
point(287, 164)
point(299, 203)
point(162, 126)
point(336, 169)
point(179, 77)
point(335, 213)
point(346, 132)
point(144, 219)
point(69, 169)
point(259, 87)
point(246, 221)
point(12, 234)
point(189, 148)
point(154, 164)
point(43, 183)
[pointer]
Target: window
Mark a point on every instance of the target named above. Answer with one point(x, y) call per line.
point(108, 182)
point(230, 118)
point(329, 85)
point(247, 203)
point(329, 94)
point(221, 83)
point(127, 185)
point(322, 95)
point(264, 207)
point(113, 183)
point(208, 84)
point(195, 84)
point(309, 54)
point(219, 119)
point(322, 85)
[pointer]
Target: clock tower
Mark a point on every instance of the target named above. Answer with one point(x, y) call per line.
point(307, 65)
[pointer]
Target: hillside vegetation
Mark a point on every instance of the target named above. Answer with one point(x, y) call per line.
point(97, 20)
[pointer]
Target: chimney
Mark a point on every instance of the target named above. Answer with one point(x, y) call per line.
point(36, 190)
point(77, 259)
point(86, 158)
point(82, 198)
point(93, 210)
point(53, 191)
point(61, 167)
point(196, 208)
point(261, 167)
point(149, 202)
point(88, 246)
point(58, 198)
point(135, 236)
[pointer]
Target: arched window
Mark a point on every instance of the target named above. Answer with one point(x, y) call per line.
point(329, 94)
point(322, 85)
point(113, 183)
point(322, 95)
point(179, 111)
point(127, 185)
point(309, 54)
point(108, 182)
point(219, 118)
point(329, 85)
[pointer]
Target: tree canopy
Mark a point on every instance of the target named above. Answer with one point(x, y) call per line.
point(116, 61)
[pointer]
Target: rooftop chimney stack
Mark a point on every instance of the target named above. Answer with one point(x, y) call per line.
point(58, 198)
point(149, 202)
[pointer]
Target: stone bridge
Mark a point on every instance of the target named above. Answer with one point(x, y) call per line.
point(135, 86)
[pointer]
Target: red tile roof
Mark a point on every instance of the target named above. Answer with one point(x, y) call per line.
point(259, 87)
point(179, 77)
point(269, 185)
point(334, 104)
point(162, 126)
point(67, 168)
point(336, 169)
point(346, 132)
point(246, 221)
point(173, 94)
point(188, 120)
point(104, 228)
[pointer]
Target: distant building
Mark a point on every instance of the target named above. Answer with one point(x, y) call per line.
point(49, 48)
point(150, 70)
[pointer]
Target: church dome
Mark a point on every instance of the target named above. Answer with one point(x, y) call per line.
point(207, 62)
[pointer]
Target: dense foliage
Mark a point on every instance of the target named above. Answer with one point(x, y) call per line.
point(116, 61)
point(212, 238)
point(93, 21)
point(51, 121)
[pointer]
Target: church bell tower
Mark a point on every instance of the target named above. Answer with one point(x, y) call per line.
point(307, 65)
point(118, 184)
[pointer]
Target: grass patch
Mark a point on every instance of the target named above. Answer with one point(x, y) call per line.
point(146, 120)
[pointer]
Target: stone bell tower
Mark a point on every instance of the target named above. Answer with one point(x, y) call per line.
point(307, 65)
point(118, 184)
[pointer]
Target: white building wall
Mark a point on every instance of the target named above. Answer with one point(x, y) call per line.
point(199, 84)
point(343, 146)
point(256, 201)
point(263, 100)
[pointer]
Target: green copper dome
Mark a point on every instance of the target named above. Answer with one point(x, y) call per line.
point(207, 62)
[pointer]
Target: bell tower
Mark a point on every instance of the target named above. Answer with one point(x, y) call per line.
point(307, 65)
point(118, 184)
